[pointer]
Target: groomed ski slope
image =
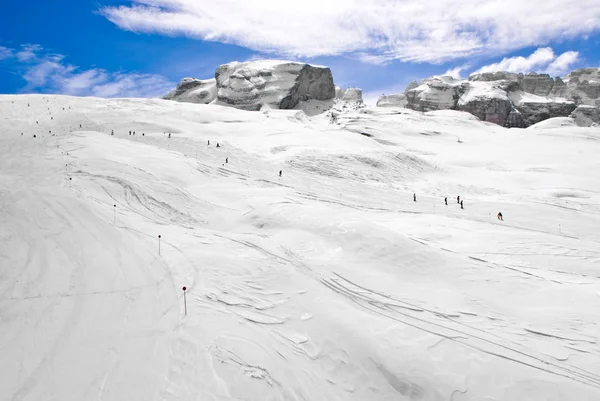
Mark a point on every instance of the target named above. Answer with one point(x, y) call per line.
point(328, 283)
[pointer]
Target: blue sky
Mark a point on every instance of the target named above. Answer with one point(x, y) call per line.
point(113, 48)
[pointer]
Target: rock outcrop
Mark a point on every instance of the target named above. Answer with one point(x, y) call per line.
point(350, 95)
point(507, 99)
point(397, 100)
point(278, 84)
point(194, 90)
point(436, 93)
point(586, 116)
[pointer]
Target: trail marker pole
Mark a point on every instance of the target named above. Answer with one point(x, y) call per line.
point(184, 301)
point(159, 244)
point(70, 179)
point(115, 209)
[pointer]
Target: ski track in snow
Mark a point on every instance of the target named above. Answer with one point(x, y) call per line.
point(328, 282)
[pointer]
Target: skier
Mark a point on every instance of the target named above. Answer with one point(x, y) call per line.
point(143, 134)
point(227, 160)
point(169, 134)
point(218, 145)
point(500, 216)
point(208, 142)
point(34, 136)
point(280, 173)
point(112, 131)
point(414, 197)
point(458, 199)
point(461, 205)
point(129, 132)
point(79, 125)
point(446, 201)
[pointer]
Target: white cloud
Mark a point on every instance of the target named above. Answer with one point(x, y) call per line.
point(562, 63)
point(375, 31)
point(542, 60)
point(49, 72)
point(456, 71)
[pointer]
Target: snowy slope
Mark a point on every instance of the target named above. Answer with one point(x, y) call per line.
point(328, 283)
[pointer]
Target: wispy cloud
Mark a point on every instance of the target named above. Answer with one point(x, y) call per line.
point(5, 53)
point(28, 52)
point(542, 60)
point(376, 31)
point(51, 73)
point(456, 72)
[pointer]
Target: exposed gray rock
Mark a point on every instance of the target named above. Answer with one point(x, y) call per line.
point(396, 100)
point(586, 116)
point(278, 84)
point(411, 85)
point(194, 90)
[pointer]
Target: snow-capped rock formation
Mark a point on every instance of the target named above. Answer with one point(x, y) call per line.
point(395, 100)
point(435, 93)
point(194, 90)
point(586, 116)
point(507, 99)
point(535, 108)
point(350, 95)
point(279, 84)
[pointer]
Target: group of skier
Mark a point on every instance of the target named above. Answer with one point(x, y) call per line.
point(459, 201)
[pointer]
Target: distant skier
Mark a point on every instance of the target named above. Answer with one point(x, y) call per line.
point(34, 136)
point(446, 201)
point(169, 134)
point(218, 146)
point(500, 216)
point(414, 197)
point(129, 132)
point(79, 125)
point(227, 160)
point(112, 132)
point(208, 142)
point(280, 173)
point(461, 205)
point(458, 199)
point(143, 134)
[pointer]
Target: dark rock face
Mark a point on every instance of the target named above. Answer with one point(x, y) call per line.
point(278, 84)
point(493, 109)
point(534, 112)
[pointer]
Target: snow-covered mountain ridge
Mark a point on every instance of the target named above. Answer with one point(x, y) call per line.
point(508, 99)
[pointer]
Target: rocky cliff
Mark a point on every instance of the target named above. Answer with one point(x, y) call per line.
point(507, 99)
